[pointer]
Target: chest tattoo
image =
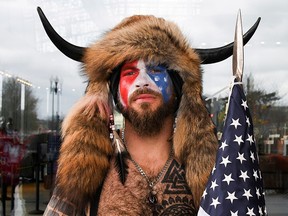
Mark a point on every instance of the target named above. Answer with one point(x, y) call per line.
point(174, 197)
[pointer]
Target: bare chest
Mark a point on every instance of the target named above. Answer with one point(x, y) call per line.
point(171, 191)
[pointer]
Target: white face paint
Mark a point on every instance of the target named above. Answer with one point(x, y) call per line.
point(137, 75)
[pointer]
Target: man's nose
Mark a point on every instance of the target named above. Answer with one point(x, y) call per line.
point(142, 85)
point(142, 81)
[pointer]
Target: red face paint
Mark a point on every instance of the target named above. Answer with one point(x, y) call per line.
point(138, 75)
point(128, 74)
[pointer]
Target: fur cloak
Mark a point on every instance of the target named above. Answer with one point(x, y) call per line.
point(86, 149)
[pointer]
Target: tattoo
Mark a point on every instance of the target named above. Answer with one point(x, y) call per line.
point(175, 180)
point(177, 197)
point(175, 207)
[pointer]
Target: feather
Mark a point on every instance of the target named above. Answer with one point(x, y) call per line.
point(121, 156)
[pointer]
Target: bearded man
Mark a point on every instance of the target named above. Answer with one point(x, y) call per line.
point(160, 162)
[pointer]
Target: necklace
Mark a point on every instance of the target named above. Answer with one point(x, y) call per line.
point(151, 198)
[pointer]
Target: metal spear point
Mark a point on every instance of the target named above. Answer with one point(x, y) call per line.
point(238, 53)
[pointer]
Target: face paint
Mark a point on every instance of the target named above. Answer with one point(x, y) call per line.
point(161, 78)
point(136, 75)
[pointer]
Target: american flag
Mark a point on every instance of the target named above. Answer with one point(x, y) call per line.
point(235, 185)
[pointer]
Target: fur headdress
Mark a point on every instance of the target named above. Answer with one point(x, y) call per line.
point(86, 147)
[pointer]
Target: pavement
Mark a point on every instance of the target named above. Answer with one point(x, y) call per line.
point(276, 203)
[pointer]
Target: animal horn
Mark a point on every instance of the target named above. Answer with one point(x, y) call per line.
point(74, 52)
point(213, 55)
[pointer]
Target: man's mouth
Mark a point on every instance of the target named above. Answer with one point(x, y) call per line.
point(144, 98)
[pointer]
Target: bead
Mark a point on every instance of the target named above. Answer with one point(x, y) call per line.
point(152, 199)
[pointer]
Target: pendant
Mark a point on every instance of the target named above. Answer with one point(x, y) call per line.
point(152, 198)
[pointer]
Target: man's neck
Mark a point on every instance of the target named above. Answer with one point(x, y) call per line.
point(150, 152)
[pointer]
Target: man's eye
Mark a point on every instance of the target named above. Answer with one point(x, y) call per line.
point(156, 70)
point(129, 73)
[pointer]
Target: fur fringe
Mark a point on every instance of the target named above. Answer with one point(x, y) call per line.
point(84, 156)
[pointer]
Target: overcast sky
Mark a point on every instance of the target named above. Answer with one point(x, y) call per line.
point(26, 51)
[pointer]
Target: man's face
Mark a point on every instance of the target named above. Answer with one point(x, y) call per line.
point(144, 84)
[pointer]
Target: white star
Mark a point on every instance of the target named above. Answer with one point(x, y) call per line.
point(241, 157)
point(235, 123)
point(247, 194)
point(252, 156)
point(250, 211)
point(244, 104)
point(225, 161)
point(215, 202)
point(255, 174)
point(204, 194)
point(228, 178)
point(265, 210)
point(260, 175)
point(223, 145)
point(231, 197)
point(213, 170)
point(234, 213)
point(250, 139)
point(238, 139)
point(248, 121)
point(260, 210)
point(156, 78)
point(258, 192)
point(244, 175)
point(213, 185)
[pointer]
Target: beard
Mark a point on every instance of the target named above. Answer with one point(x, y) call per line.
point(148, 122)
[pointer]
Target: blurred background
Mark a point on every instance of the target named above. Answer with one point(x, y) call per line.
point(38, 84)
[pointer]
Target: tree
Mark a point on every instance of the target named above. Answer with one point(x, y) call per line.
point(260, 104)
point(262, 108)
point(11, 105)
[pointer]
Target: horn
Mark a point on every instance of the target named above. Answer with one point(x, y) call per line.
point(213, 55)
point(74, 52)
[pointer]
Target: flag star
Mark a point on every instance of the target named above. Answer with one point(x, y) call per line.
point(234, 213)
point(241, 157)
point(228, 178)
point(250, 211)
point(213, 170)
point(250, 139)
point(223, 145)
point(248, 121)
point(260, 210)
point(260, 175)
point(258, 192)
point(215, 202)
point(244, 104)
point(225, 161)
point(255, 174)
point(247, 194)
point(238, 139)
point(252, 156)
point(231, 197)
point(213, 185)
point(235, 123)
point(156, 78)
point(204, 194)
point(244, 175)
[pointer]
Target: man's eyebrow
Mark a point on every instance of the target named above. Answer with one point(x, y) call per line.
point(131, 65)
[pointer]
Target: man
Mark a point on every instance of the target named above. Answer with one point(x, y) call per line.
point(156, 181)
point(166, 150)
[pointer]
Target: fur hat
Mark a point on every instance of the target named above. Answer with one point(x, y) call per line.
point(86, 148)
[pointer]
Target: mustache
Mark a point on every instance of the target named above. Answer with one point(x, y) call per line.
point(138, 92)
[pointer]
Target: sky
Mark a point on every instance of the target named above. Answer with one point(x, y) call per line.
point(26, 51)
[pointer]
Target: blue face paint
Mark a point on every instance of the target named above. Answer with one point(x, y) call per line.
point(162, 79)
